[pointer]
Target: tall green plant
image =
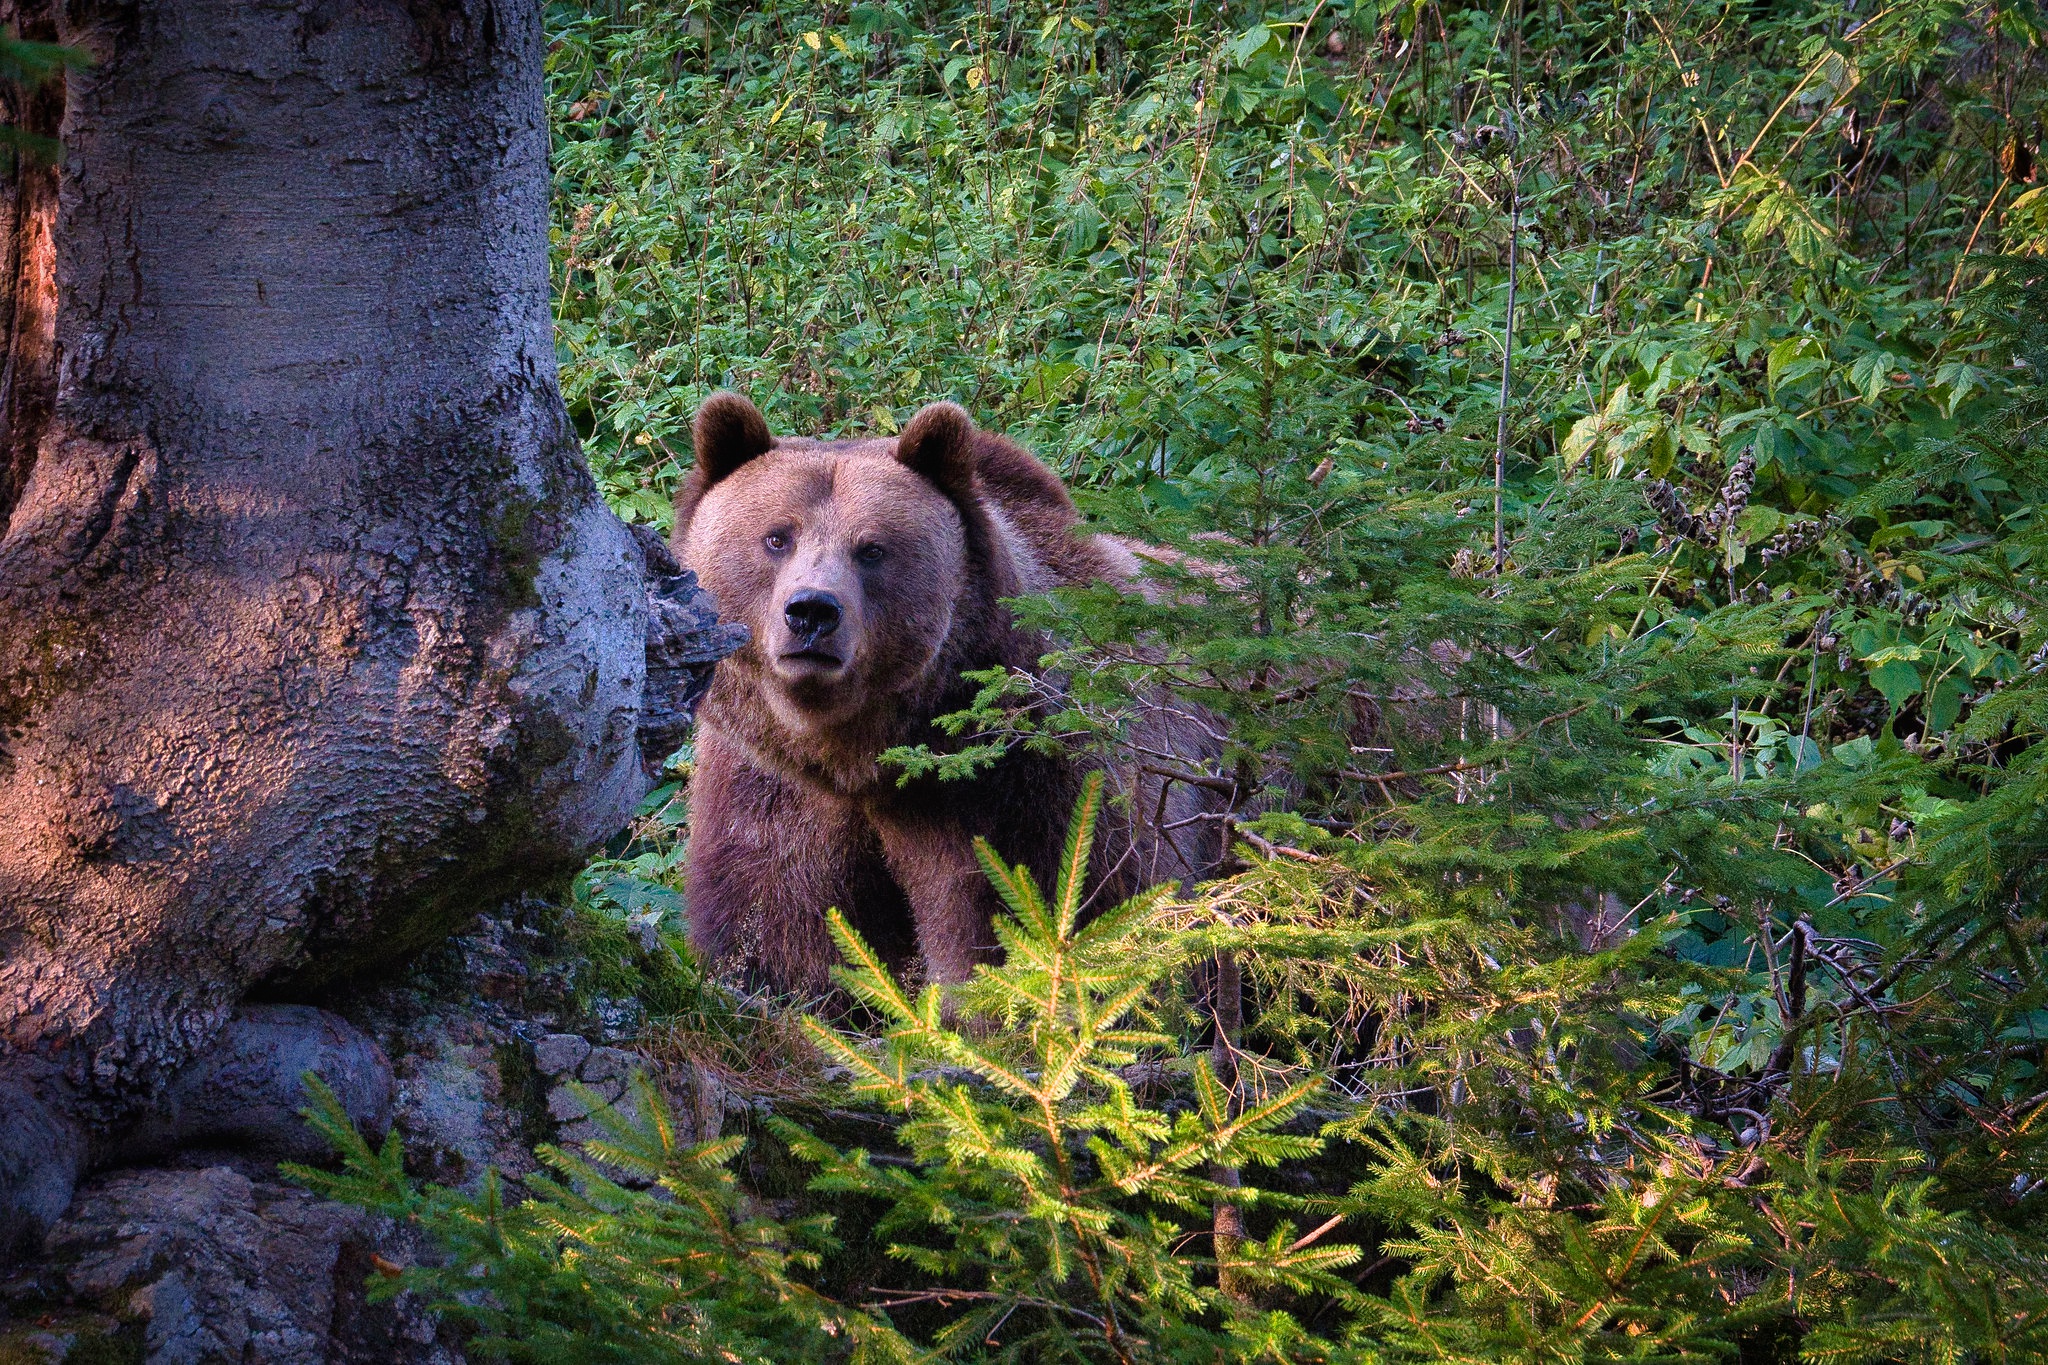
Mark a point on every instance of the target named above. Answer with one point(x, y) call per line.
point(1048, 1187)
point(679, 1266)
point(1050, 1211)
point(1657, 905)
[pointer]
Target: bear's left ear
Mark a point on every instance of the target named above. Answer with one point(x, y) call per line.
point(939, 444)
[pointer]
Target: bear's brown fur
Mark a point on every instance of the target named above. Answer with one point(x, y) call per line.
point(871, 574)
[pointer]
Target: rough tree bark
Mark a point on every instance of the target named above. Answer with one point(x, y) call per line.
point(314, 632)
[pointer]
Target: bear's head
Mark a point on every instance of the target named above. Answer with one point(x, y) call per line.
point(847, 561)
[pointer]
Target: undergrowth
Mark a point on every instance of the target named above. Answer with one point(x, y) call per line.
point(1061, 1166)
point(1634, 949)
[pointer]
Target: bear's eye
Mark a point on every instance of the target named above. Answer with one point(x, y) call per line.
point(869, 554)
point(775, 542)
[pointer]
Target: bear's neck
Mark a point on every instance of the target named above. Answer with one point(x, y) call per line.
point(844, 755)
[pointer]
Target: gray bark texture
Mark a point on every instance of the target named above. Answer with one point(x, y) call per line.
point(315, 634)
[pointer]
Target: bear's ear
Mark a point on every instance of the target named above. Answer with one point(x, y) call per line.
point(728, 431)
point(939, 444)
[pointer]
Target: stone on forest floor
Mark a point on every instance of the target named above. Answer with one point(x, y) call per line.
point(246, 1091)
point(205, 1265)
point(213, 1258)
point(559, 1052)
point(695, 1095)
point(604, 1078)
point(610, 1063)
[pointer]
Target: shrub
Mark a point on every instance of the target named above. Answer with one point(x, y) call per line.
point(1634, 710)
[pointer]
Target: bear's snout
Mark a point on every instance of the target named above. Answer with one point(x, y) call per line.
point(812, 616)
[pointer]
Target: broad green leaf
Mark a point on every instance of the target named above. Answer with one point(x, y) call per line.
point(1804, 352)
point(1250, 44)
point(1898, 680)
point(1960, 378)
point(1871, 372)
point(1945, 703)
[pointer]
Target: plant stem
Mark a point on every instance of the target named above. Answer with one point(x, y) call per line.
point(1228, 1009)
point(1507, 349)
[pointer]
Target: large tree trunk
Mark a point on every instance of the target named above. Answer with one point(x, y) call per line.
point(314, 632)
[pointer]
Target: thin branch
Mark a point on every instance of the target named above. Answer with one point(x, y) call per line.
point(1308, 1239)
point(901, 1298)
point(1354, 775)
point(1507, 348)
point(1202, 780)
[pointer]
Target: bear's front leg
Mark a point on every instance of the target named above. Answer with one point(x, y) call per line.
point(768, 857)
point(951, 901)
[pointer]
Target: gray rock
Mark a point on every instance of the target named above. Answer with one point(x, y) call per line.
point(617, 1017)
point(565, 1105)
point(456, 1113)
point(576, 1132)
point(609, 1063)
point(224, 1268)
point(709, 1101)
point(176, 1335)
point(646, 932)
point(559, 1052)
point(246, 1091)
point(696, 1098)
point(445, 1113)
point(579, 1130)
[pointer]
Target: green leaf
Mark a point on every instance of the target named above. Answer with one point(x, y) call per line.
point(1898, 680)
point(1585, 437)
point(1249, 45)
point(1793, 358)
point(1871, 372)
point(1945, 704)
point(1960, 378)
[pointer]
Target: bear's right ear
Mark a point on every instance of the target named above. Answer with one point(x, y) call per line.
point(727, 432)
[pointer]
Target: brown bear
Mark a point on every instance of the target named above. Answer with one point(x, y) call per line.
point(871, 574)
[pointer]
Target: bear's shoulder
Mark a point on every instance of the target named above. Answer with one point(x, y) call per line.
point(1036, 509)
point(1019, 480)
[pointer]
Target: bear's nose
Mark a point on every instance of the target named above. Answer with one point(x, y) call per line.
point(812, 615)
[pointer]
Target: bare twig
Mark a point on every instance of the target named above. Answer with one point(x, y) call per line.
point(902, 1298)
point(1202, 780)
point(1309, 1238)
point(1273, 850)
point(1354, 775)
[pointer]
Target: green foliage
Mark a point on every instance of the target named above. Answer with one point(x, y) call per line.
point(1061, 1160)
point(682, 1267)
point(626, 919)
point(1046, 1205)
point(30, 64)
point(1635, 723)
